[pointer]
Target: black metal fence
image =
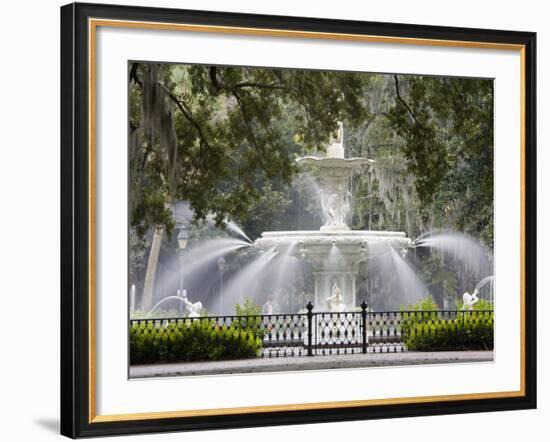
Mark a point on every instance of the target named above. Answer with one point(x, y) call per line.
point(329, 333)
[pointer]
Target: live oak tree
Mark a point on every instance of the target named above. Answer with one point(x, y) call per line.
point(206, 134)
point(432, 140)
point(447, 127)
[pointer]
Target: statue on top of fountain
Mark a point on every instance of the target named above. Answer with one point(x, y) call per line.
point(336, 210)
point(335, 303)
point(335, 149)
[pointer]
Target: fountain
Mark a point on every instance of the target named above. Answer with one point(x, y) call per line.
point(334, 253)
point(334, 250)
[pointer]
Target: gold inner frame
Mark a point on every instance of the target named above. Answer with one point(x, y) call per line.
point(93, 24)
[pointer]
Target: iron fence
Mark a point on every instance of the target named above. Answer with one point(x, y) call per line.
point(313, 333)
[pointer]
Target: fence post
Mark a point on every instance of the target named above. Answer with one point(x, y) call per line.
point(364, 326)
point(309, 328)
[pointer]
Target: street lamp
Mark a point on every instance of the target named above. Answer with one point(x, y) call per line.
point(221, 270)
point(183, 239)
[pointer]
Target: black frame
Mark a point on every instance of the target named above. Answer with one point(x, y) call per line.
point(75, 220)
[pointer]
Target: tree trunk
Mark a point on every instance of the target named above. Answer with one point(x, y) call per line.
point(148, 286)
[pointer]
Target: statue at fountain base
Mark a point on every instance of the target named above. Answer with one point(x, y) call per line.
point(335, 303)
point(325, 284)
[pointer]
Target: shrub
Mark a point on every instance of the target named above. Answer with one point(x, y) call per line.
point(191, 340)
point(248, 308)
point(468, 331)
point(424, 304)
point(249, 318)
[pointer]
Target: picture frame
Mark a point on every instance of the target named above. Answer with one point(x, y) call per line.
point(80, 176)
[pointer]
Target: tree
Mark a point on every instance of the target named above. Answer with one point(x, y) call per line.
point(209, 134)
point(447, 126)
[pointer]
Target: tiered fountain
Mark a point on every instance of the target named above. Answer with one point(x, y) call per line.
point(334, 250)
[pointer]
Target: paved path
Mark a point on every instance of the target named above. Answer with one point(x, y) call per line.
point(308, 363)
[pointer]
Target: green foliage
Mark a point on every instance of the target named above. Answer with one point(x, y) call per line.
point(248, 308)
point(191, 340)
point(447, 128)
point(427, 330)
point(426, 304)
point(249, 317)
point(439, 277)
point(412, 119)
point(267, 212)
point(151, 210)
point(467, 332)
point(234, 131)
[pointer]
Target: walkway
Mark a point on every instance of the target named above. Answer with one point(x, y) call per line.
point(299, 363)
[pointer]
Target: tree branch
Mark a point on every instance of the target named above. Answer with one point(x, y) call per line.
point(213, 74)
point(404, 103)
point(260, 86)
point(247, 120)
point(187, 114)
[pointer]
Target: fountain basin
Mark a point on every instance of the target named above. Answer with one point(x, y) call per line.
point(313, 244)
point(335, 255)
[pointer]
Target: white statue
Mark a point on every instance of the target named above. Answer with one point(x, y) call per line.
point(193, 309)
point(339, 138)
point(335, 148)
point(336, 207)
point(468, 300)
point(335, 303)
point(329, 203)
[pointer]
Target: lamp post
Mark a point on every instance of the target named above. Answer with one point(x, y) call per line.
point(183, 239)
point(221, 270)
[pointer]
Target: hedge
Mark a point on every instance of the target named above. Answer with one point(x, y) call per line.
point(192, 340)
point(467, 332)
